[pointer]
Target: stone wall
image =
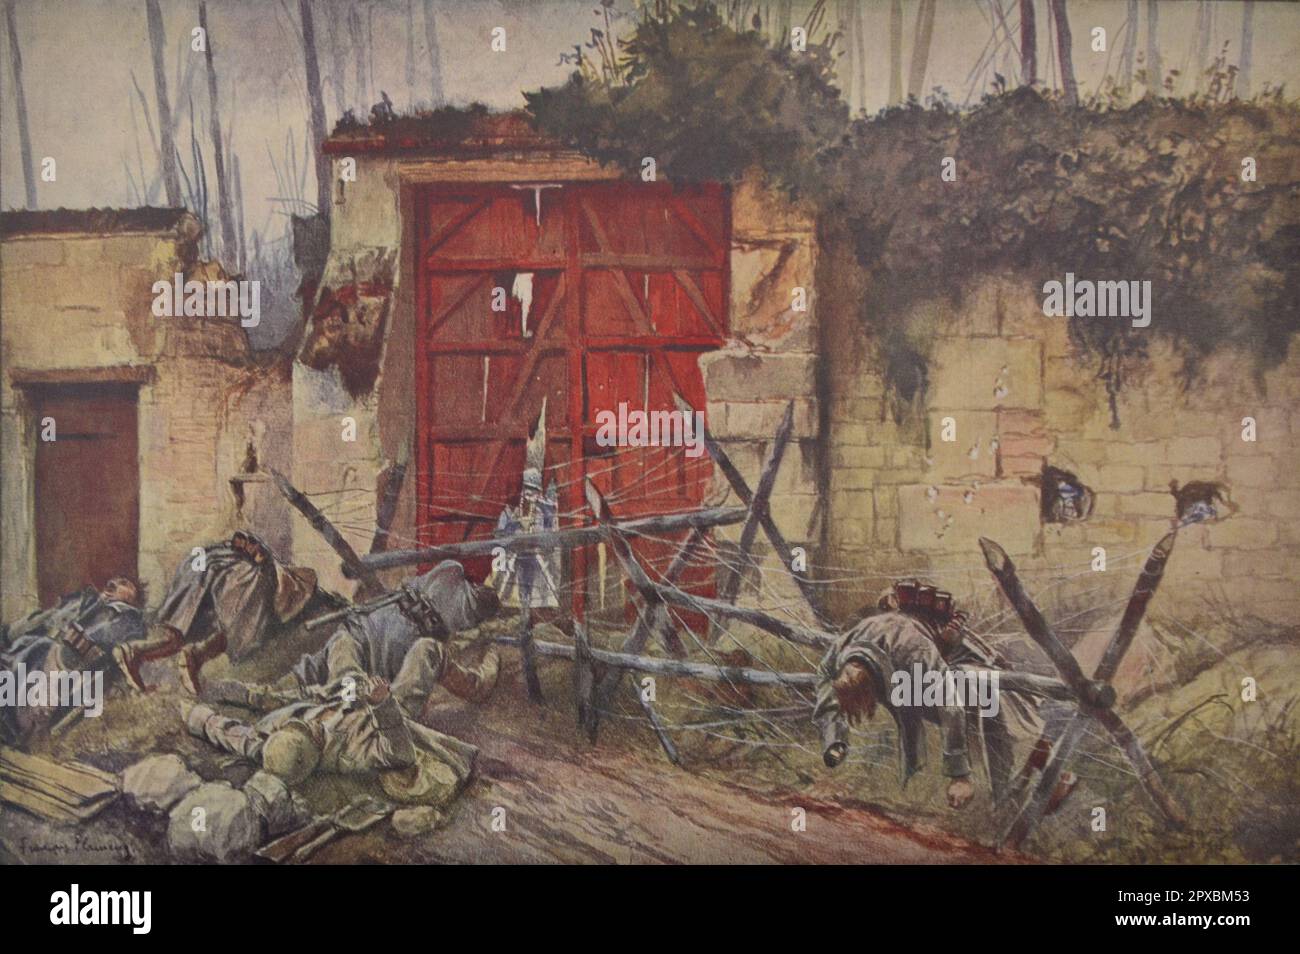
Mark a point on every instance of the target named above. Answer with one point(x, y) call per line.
point(76, 304)
point(905, 501)
point(770, 360)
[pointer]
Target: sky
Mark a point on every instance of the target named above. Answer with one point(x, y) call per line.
point(80, 56)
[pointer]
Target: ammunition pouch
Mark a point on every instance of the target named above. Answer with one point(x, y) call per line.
point(936, 609)
point(419, 609)
point(76, 640)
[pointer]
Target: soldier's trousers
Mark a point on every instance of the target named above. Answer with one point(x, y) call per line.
point(229, 735)
point(428, 664)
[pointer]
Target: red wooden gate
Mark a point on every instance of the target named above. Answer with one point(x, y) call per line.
point(623, 287)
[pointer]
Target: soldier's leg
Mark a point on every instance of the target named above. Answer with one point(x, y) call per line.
point(229, 735)
point(343, 656)
point(195, 657)
point(473, 683)
point(421, 670)
point(161, 642)
point(260, 697)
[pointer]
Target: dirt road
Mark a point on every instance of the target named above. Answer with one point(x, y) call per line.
point(583, 805)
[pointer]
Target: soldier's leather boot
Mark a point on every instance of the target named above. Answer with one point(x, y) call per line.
point(131, 656)
point(193, 659)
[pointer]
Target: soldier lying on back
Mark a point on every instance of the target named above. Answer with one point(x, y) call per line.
point(76, 635)
point(356, 728)
point(226, 601)
point(404, 644)
point(916, 626)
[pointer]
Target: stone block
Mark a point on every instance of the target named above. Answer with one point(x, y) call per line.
point(1254, 471)
point(760, 420)
point(1121, 478)
point(1066, 410)
point(1285, 505)
point(1143, 504)
point(793, 514)
point(732, 377)
point(1276, 564)
point(986, 373)
point(940, 519)
point(1194, 451)
point(1245, 533)
point(972, 454)
point(19, 253)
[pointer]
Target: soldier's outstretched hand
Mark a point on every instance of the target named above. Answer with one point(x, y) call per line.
point(378, 692)
point(959, 792)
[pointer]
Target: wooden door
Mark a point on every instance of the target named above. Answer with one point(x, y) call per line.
point(87, 487)
point(611, 293)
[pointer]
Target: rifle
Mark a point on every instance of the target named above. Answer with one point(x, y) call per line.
point(413, 603)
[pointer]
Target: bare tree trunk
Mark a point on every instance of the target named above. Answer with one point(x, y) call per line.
point(337, 80)
point(1155, 74)
point(1130, 46)
point(167, 141)
point(860, 39)
point(20, 97)
point(229, 242)
point(1028, 43)
point(895, 52)
point(317, 106)
point(410, 52)
point(435, 53)
point(362, 96)
point(1247, 37)
point(921, 48)
point(1062, 20)
point(1204, 16)
point(239, 213)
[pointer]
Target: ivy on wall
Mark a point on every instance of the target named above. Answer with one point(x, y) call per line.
point(1148, 192)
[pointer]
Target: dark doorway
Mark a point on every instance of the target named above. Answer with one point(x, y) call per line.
point(87, 486)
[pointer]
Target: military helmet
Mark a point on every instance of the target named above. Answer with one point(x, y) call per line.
point(290, 753)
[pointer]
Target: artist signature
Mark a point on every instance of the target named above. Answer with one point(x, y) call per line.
point(78, 844)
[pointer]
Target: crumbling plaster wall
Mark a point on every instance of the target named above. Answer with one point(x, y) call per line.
point(1021, 396)
point(74, 303)
point(342, 475)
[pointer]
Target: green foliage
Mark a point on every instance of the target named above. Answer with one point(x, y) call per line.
point(1152, 191)
point(707, 102)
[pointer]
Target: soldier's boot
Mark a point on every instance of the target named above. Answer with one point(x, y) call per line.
point(131, 656)
point(194, 657)
point(473, 685)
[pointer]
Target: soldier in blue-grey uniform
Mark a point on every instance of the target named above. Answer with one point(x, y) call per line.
point(76, 635)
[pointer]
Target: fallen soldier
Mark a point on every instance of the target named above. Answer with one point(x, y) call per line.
point(404, 644)
point(77, 635)
point(358, 730)
point(228, 599)
point(915, 631)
